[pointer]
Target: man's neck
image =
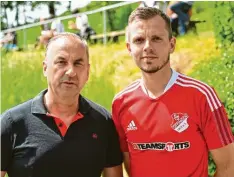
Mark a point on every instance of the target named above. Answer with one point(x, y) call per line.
point(61, 107)
point(155, 83)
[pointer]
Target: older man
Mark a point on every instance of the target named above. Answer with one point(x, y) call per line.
point(59, 132)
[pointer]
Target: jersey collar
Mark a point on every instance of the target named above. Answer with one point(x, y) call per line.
point(170, 83)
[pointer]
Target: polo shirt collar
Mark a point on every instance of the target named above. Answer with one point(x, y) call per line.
point(38, 106)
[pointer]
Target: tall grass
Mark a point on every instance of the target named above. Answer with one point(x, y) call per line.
point(21, 77)
point(111, 69)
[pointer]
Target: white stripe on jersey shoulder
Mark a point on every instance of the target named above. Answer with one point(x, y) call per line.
point(211, 97)
point(128, 89)
point(172, 80)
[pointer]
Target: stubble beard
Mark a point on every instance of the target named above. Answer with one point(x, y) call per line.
point(157, 68)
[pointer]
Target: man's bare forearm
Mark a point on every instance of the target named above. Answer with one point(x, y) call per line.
point(3, 173)
point(228, 172)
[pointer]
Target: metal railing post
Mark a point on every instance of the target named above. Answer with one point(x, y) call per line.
point(24, 30)
point(104, 27)
point(25, 38)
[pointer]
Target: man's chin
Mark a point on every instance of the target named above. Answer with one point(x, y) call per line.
point(69, 92)
point(150, 70)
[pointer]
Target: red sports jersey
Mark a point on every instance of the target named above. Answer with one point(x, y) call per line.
point(170, 136)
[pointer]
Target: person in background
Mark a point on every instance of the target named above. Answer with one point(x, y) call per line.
point(57, 27)
point(46, 33)
point(59, 132)
point(44, 26)
point(168, 122)
point(9, 41)
point(85, 30)
point(45, 36)
point(162, 5)
point(183, 10)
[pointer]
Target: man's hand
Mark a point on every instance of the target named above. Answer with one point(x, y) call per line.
point(116, 171)
point(126, 162)
point(3, 173)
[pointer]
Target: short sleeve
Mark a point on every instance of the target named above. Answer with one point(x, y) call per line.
point(119, 128)
point(216, 127)
point(6, 141)
point(114, 154)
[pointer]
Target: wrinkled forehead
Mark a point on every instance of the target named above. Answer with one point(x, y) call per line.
point(66, 43)
point(72, 46)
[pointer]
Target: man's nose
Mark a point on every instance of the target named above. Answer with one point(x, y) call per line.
point(147, 46)
point(71, 71)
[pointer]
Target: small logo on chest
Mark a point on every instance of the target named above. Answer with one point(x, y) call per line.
point(179, 122)
point(94, 136)
point(131, 126)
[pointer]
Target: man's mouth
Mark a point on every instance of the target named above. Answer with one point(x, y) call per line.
point(68, 82)
point(149, 57)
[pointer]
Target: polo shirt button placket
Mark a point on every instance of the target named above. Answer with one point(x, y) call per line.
point(61, 128)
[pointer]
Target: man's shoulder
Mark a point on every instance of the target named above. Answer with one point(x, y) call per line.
point(194, 84)
point(127, 90)
point(198, 89)
point(19, 110)
point(98, 109)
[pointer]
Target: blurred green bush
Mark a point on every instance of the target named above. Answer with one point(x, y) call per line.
point(219, 71)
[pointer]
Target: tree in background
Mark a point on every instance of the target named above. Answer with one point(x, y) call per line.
point(17, 5)
point(10, 5)
point(4, 18)
point(51, 5)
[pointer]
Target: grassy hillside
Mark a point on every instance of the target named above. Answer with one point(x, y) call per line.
point(22, 71)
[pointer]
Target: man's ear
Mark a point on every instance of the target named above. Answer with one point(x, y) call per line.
point(45, 68)
point(172, 44)
point(128, 47)
point(88, 72)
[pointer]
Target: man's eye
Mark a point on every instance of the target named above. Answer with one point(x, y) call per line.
point(156, 39)
point(77, 63)
point(138, 40)
point(61, 62)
